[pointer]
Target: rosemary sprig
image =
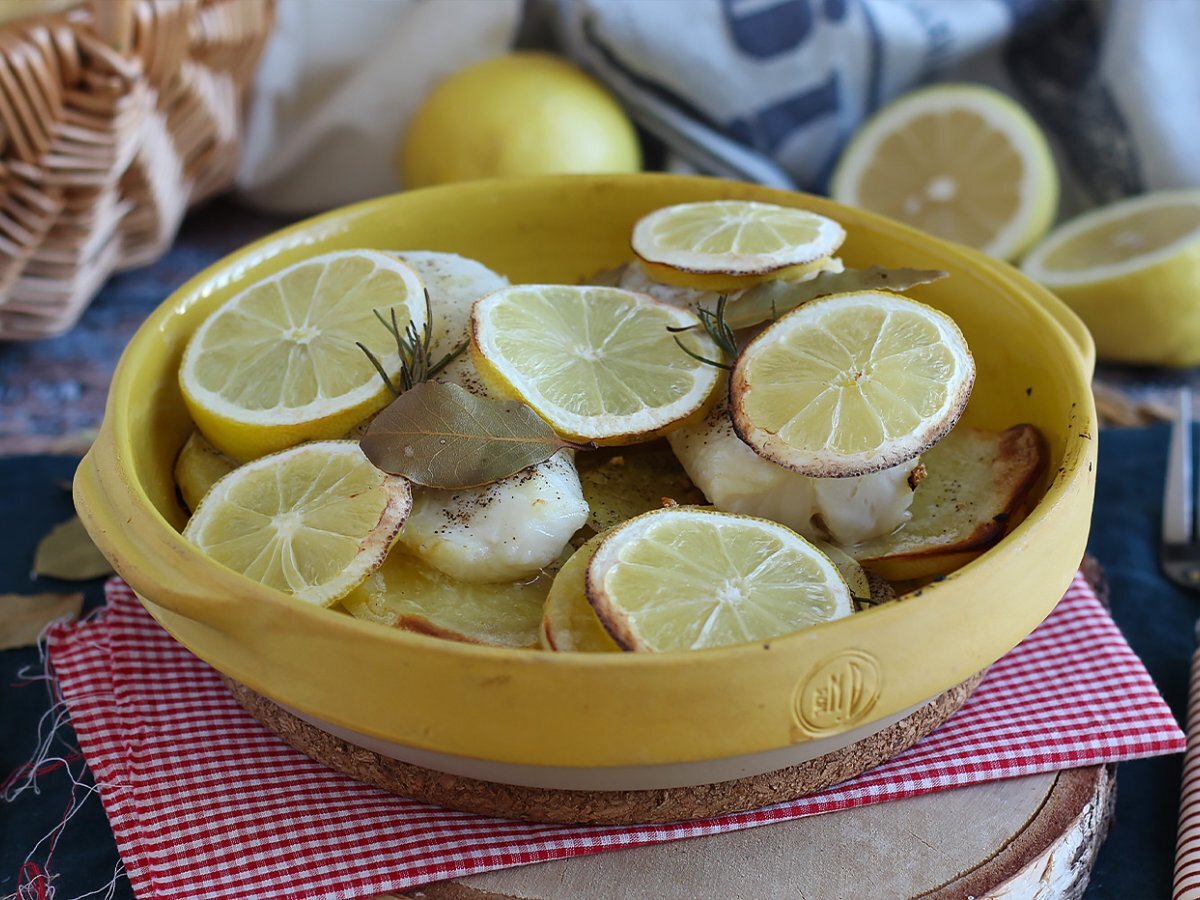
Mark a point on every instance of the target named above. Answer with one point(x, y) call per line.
point(412, 346)
point(718, 330)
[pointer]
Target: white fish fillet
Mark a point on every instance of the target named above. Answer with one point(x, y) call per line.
point(454, 283)
point(506, 531)
point(736, 479)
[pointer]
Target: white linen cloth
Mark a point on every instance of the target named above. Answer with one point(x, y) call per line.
point(772, 89)
point(337, 85)
point(766, 90)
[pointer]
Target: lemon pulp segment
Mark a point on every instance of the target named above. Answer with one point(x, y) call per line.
point(312, 521)
point(962, 162)
point(597, 363)
point(686, 579)
point(277, 363)
point(851, 384)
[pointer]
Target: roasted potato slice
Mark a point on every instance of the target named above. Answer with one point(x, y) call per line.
point(978, 485)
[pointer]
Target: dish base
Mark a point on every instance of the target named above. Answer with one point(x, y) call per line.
point(602, 807)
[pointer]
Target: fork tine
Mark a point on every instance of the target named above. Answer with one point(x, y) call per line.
point(1178, 502)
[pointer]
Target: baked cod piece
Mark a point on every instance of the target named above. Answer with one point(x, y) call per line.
point(506, 531)
point(736, 479)
point(513, 528)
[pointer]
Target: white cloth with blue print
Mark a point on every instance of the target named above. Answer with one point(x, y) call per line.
point(770, 90)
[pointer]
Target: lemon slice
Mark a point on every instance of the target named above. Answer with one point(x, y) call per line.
point(1131, 271)
point(277, 364)
point(597, 363)
point(313, 521)
point(409, 594)
point(687, 579)
point(569, 623)
point(962, 162)
point(730, 244)
point(198, 467)
point(851, 384)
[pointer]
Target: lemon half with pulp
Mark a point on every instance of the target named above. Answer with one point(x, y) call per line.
point(960, 161)
point(1131, 270)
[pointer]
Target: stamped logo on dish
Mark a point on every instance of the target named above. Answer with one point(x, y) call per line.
point(838, 693)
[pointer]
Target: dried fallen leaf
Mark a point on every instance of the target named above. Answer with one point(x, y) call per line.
point(67, 552)
point(23, 616)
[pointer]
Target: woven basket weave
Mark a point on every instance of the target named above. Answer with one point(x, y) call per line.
point(114, 118)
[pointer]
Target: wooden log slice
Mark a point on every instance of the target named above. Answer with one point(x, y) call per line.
point(602, 807)
point(1008, 840)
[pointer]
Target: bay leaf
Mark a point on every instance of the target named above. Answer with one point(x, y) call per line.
point(442, 436)
point(67, 552)
point(772, 299)
point(23, 616)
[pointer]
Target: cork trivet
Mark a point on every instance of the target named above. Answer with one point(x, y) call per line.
point(602, 807)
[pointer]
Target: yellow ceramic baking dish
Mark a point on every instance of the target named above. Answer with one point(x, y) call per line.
point(542, 718)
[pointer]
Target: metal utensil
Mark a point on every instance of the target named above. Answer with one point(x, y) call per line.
point(1179, 551)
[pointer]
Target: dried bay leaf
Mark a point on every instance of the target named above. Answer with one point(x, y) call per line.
point(441, 436)
point(23, 616)
point(772, 299)
point(68, 553)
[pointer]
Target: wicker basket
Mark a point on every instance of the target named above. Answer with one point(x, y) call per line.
point(114, 117)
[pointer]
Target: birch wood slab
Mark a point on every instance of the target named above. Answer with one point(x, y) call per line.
point(1032, 838)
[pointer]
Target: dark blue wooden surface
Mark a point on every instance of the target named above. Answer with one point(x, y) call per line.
point(56, 387)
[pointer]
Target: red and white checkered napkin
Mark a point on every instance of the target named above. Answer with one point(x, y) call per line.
point(205, 803)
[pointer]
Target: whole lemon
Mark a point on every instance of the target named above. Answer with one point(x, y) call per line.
point(520, 114)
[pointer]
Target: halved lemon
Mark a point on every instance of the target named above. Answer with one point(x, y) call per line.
point(1131, 270)
point(687, 579)
point(313, 521)
point(597, 363)
point(731, 244)
point(277, 364)
point(962, 162)
point(412, 595)
point(569, 623)
point(851, 384)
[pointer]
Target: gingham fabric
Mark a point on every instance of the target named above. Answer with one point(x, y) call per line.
point(208, 805)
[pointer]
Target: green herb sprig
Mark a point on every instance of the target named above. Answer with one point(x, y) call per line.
point(412, 346)
point(713, 322)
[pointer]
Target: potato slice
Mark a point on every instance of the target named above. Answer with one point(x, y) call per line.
point(619, 486)
point(979, 485)
point(409, 594)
